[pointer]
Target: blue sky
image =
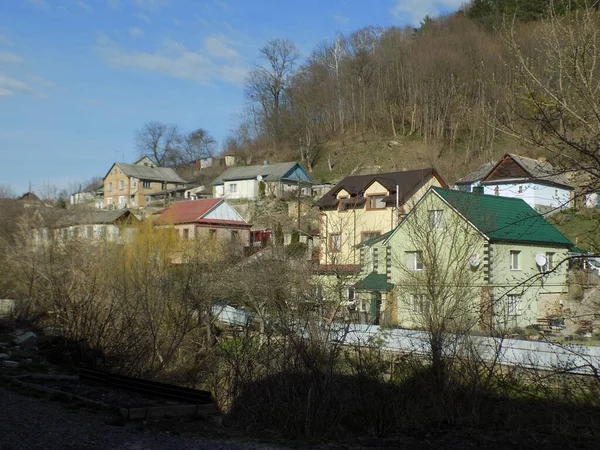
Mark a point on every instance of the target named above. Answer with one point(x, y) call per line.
point(78, 77)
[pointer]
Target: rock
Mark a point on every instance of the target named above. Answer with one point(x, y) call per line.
point(11, 364)
point(4, 356)
point(18, 332)
point(393, 143)
point(28, 339)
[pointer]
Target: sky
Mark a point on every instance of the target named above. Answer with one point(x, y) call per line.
point(78, 77)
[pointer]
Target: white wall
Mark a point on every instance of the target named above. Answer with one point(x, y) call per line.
point(224, 212)
point(534, 194)
point(244, 189)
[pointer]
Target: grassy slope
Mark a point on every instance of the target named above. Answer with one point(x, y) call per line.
point(581, 227)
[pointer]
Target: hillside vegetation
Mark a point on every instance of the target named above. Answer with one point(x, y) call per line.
point(450, 92)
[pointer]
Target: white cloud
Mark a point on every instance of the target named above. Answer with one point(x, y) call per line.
point(173, 59)
point(136, 32)
point(150, 4)
point(36, 79)
point(415, 10)
point(84, 6)
point(341, 19)
point(39, 3)
point(10, 86)
point(218, 46)
point(177, 22)
point(143, 17)
point(5, 41)
point(10, 58)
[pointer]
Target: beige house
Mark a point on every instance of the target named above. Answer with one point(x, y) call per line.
point(206, 218)
point(130, 185)
point(362, 207)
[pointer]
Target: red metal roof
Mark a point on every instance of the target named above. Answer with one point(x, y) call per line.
point(186, 212)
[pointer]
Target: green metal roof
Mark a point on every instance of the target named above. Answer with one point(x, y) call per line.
point(375, 240)
point(503, 218)
point(374, 282)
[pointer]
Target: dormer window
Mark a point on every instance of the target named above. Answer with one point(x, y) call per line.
point(342, 205)
point(376, 202)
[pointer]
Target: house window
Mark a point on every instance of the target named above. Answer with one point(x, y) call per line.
point(366, 235)
point(146, 184)
point(520, 189)
point(414, 260)
point(232, 188)
point(513, 305)
point(335, 242)
point(212, 233)
point(496, 190)
point(234, 235)
point(134, 184)
point(419, 303)
point(549, 262)
point(121, 185)
point(186, 233)
point(115, 171)
point(109, 200)
point(435, 219)
point(110, 186)
point(478, 190)
point(121, 201)
point(133, 200)
point(376, 202)
point(515, 255)
point(342, 205)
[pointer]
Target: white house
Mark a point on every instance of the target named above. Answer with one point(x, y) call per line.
point(276, 180)
point(533, 180)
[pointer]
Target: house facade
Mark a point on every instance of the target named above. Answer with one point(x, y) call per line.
point(130, 185)
point(91, 225)
point(363, 207)
point(533, 180)
point(491, 260)
point(268, 180)
point(206, 218)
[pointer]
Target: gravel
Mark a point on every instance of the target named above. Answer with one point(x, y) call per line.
point(39, 423)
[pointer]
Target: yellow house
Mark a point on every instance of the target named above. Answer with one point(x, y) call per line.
point(365, 206)
point(128, 185)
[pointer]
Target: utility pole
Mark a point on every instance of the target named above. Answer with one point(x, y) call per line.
point(298, 223)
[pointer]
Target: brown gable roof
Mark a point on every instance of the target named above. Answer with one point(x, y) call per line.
point(406, 181)
point(520, 168)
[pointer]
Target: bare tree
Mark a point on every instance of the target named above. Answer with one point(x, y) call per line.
point(159, 141)
point(265, 85)
point(197, 144)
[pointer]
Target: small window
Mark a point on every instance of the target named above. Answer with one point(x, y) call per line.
point(134, 184)
point(115, 171)
point(496, 190)
point(146, 184)
point(186, 233)
point(232, 188)
point(520, 189)
point(109, 200)
point(133, 200)
point(435, 219)
point(110, 186)
point(335, 242)
point(549, 262)
point(478, 190)
point(234, 235)
point(420, 303)
point(366, 235)
point(121, 185)
point(513, 303)
point(376, 202)
point(342, 205)
point(414, 260)
point(514, 259)
point(212, 233)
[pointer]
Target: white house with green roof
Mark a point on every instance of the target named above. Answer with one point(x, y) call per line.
point(492, 259)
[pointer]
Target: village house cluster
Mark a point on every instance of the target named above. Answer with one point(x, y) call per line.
point(386, 246)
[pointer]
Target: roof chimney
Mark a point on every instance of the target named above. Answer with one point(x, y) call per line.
point(265, 163)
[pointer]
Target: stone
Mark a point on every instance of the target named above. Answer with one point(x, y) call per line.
point(393, 143)
point(18, 332)
point(11, 364)
point(4, 356)
point(26, 339)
